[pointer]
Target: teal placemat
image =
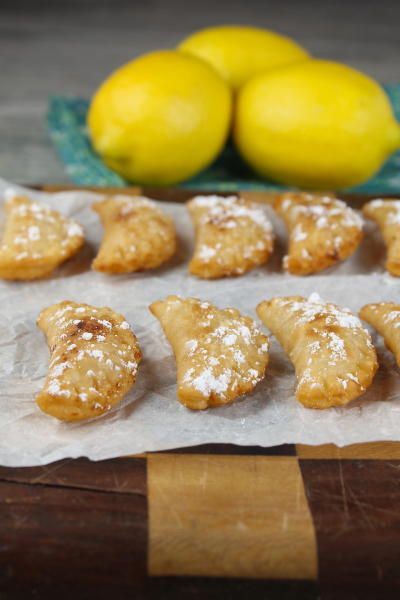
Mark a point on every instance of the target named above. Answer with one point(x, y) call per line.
point(66, 120)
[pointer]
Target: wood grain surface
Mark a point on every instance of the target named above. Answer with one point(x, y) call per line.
point(201, 523)
point(229, 516)
point(373, 450)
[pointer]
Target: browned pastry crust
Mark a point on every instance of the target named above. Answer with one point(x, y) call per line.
point(220, 354)
point(385, 318)
point(93, 364)
point(332, 353)
point(36, 240)
point(233, 235)
point(322, 231)
point(386, 213)
point(137, 235)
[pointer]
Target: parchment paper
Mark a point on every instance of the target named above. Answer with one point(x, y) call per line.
point(150, 418)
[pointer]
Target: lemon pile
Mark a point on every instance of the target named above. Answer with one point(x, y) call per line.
point(165, 116)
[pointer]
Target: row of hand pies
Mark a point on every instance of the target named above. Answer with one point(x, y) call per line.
point(220, 354)
point(233, 235)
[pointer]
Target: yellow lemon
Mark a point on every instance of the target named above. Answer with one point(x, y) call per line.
point(161, 118)
point(239, 53)
point(317, 124)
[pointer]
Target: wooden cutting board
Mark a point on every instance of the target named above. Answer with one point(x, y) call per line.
point(287, 522)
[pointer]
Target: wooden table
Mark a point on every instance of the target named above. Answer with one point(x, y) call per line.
point(208, 522)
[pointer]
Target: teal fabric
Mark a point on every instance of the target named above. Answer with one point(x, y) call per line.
point(66, 120)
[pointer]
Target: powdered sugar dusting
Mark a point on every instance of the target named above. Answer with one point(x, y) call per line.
point(206, 252)
point(314, 307)
point(208, 383)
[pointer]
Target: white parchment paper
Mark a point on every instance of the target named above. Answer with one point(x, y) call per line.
point(150, 418)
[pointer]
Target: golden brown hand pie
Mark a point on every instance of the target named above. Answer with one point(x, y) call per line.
point(220, 354)
point(137, 235)
point(332, 353)
point(385, 318)
point(36, 240)
point(386, 213)
point(233, 235)
point(94, 360)
point(322, 231)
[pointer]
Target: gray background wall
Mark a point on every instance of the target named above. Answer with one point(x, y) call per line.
point(68, 47)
